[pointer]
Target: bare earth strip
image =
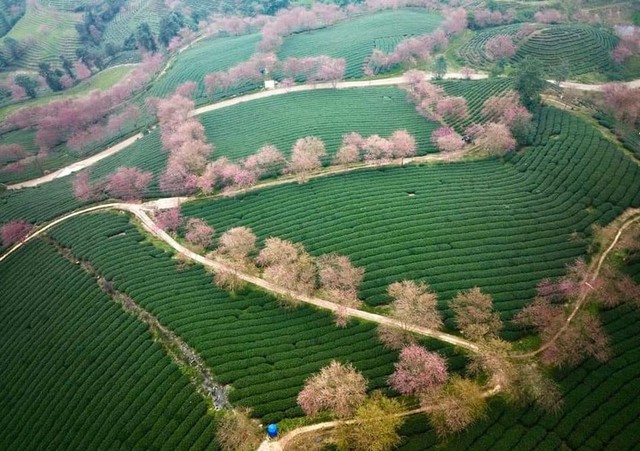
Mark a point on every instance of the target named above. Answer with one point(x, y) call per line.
point(83, 164)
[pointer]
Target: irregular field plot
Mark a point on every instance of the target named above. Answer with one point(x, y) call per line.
point(355, 39)
point(265, 351)
point(500, 226)
point(79, 373)
point(601, 404)
point(580, 48)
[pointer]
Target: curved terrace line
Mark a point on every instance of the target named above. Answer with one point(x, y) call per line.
point(394, 81)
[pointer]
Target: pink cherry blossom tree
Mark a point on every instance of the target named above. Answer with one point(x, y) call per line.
point(414, 303)
point(14, 231)
point(403, 144)
point(305, 157)
point(338, 388)
point(377, 149)
point(128, 183)
point(452, 109)
point(418, 372)
point(496, 139)
point(500, 47)
point(83, 190)
point(447, 139)
point(169, 220)
point(237, 244)
point(268, 160)
point(198, 232)
point(549, 15)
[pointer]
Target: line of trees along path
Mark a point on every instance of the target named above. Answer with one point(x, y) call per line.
point(140, 212)
point(83, 164)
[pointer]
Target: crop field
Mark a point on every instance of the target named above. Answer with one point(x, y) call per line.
point(475, 92)
point(248, 340)
point(473, 53)
point(501, 226)
point(580, 48)
point(601, 404)
point(209, 55)
point(242, 129)
point(355, 39)
point(54, 34)
point(79, 373)
point(133, 14)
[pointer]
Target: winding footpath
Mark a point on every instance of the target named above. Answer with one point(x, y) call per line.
point(393, 81)
point(140, 212)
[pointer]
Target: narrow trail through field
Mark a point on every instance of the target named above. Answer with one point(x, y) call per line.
point(393, 81)
point(592, 275)
point(140, 212)
point(286, 439)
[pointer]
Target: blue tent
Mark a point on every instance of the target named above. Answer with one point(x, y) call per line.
point(272, 430)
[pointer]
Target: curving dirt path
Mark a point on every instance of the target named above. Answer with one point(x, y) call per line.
point(393, 81)
point(87, 162)
point(140, 212)
point(281, 443)
point(634, 216)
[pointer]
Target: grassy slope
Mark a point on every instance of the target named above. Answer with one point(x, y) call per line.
point(102, 80)
point(355, 39)
point(79, 373)
point(500, 226)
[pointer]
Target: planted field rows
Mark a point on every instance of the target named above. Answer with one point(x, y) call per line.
point(473, 51)
point(209, 55)
point(248, 340)
point(242, 129)
point(239, 131)
point(501, 226)
point(475, 92)
point(601, 404)
point(54, 33)
point(355, 39)
point(576, 48)
point(79, 373)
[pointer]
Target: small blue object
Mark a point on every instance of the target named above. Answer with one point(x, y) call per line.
point(272, 430)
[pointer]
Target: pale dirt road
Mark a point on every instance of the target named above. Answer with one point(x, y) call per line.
point(140, 212)
point(394, 81)
point(87, 162)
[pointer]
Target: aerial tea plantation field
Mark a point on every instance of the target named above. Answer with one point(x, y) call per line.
point(204, 57)
point(355, 39)
point(79, 373)
point(577, 48)
point(601, 404)
point(247, 339)
point(502, 226)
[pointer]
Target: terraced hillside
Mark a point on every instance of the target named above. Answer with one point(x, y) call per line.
point(247, 339)
point(579, 48)
point(51, 33)
point(79, 373)
point(206, 56)
point(502, 226)
point(473, 52)
point(355, 39)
